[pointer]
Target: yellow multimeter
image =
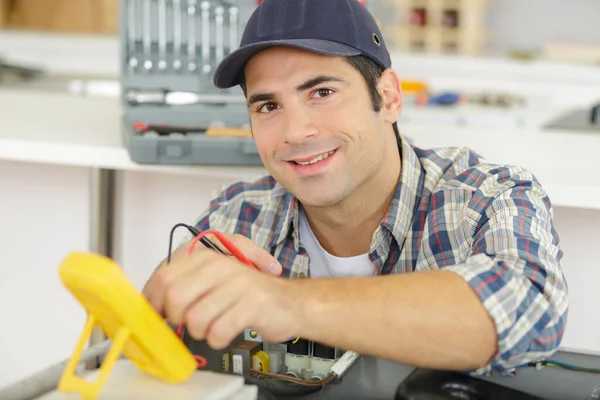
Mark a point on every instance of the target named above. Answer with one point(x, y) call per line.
point(126, 317)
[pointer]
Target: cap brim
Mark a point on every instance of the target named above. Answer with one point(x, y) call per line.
point(230, 71)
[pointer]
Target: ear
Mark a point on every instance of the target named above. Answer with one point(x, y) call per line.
point(391, 93)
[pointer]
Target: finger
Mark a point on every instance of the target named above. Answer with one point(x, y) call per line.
point(228, 325)
point(212, 272)
point(263, 260)
point(200, 316)
point(164, 277)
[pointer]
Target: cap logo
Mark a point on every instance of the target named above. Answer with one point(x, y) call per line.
point(376, 39)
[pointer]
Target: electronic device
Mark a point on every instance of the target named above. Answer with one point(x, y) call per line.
point(136, 330)
point(424, 384)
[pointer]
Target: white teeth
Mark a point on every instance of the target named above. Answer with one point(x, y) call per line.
point(316, 159)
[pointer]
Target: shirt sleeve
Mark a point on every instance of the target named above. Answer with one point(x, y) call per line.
point(514, 268)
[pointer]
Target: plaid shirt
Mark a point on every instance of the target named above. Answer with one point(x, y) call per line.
point(491, 224)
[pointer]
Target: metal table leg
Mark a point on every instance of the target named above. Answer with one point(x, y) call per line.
point(102, 228)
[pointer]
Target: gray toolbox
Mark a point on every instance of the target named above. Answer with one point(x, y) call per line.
point(169, 51)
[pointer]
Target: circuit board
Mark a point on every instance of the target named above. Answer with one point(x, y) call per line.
point(248, 353)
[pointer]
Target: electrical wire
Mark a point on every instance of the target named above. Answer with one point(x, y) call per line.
point(560, 364)
point(317, 382)
point(228, 245)
point(179, 225)
point(200, 361)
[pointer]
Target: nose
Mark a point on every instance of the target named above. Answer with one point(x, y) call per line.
point(298, 125)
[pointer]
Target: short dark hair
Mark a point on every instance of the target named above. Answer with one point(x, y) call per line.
point(371, 73)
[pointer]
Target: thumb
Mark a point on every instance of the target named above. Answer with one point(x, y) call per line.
point(263, 260)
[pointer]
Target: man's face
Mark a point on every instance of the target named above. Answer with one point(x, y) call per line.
point(314, 124)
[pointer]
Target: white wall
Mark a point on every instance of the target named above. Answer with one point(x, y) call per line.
point(579, 231)
point(43, 216)
point(530, 24)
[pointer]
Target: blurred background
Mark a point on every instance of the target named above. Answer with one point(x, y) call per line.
point(517, 81)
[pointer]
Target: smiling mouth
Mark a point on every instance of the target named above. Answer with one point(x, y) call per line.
point(314, 160)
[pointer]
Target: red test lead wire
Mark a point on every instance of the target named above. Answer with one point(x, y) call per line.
point(228, 245)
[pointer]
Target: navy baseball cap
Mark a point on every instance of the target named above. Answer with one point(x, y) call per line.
point(331, 27)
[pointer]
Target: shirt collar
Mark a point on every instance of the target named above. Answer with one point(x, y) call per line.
point(397, 219)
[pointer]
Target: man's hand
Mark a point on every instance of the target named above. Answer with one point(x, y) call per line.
point(217, 297)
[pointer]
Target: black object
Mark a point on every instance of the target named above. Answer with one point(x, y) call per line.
point(164, 129)
point(20, 71)
point(322, 351)
point(595, 115)
point(300, 348)
point(424, 384)
point(272, 389)
point(333, 27)
point(214, 358)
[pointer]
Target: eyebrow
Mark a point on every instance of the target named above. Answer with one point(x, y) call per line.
point(309, 84)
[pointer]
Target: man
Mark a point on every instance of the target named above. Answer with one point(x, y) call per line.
point(440, 259)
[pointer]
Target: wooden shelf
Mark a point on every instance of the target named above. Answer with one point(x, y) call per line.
point(436, 26)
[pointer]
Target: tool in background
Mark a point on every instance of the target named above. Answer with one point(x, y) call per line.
point(147, 36)
point(131, 9)
point(9, 71)
point(190, 43)
point(212, 131)
point(175, 98)
point(444, 99)
point(413, 86)
point(142, 128)
point(581, 119)
point(162, 34)
point(504, 100)
point(219, 46)
point(233, 26)
point(595, 115)
point(191, 26)
point(205, 6)
point(177, 44)
point(177, 32)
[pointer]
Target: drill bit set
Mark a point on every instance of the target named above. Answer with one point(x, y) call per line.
point(169, 52)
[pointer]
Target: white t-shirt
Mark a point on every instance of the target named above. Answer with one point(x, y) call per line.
point(325, 265)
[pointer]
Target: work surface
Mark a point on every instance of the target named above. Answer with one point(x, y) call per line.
point(369, 378)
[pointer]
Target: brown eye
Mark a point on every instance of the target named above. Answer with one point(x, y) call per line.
point(267, 107)
point(323, 92)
